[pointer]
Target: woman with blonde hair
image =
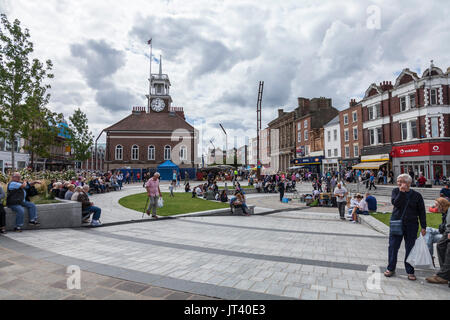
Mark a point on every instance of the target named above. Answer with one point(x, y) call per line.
point(443, 245)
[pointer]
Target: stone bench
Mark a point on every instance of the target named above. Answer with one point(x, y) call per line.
point(239, 211)
point(66, 214)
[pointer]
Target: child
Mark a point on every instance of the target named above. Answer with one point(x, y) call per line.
point(171, 189)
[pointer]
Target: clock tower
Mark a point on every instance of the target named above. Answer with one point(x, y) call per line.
point(159, 99)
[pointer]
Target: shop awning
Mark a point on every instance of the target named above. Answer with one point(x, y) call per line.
point(369, 165)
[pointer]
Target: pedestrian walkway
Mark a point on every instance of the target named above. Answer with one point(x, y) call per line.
point(291, 254)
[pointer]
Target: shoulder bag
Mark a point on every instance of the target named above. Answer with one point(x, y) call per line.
point(396, 226)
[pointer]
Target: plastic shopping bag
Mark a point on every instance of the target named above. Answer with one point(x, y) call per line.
point(160, 203)
point(420, 254)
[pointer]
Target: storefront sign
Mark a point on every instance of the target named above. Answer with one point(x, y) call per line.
point(375, 158)
point(423, 149)
point(307, 161)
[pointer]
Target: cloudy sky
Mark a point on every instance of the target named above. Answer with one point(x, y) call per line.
point(217, 51)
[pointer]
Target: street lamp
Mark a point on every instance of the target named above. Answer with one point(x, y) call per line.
point(226, 143)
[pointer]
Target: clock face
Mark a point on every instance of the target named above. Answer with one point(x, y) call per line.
point(158, 105)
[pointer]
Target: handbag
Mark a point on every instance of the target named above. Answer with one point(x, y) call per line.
point(396, 226)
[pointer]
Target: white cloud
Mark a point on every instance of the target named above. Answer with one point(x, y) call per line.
point(216, 52)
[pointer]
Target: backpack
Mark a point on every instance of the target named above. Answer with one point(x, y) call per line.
point(15, 197)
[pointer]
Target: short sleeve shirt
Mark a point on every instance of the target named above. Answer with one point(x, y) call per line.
point(340, 192)
point(153, 187)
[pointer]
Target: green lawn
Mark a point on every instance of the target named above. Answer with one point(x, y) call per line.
point(433, 219)
point(180, 204)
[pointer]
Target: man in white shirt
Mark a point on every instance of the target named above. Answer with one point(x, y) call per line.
point(361, 208)
point(341, 195)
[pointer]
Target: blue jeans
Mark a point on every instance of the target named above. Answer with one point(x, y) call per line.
point(410, 236)
point(120, 184)
point(433, 236)
point(96, 211)
point(19, 210)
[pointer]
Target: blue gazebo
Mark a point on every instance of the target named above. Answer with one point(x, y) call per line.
point(166, 170)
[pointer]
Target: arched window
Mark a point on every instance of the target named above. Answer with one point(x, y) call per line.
point(167, 153)
point(151, 153)
point(135, 153)
point(119, 152)
point(183, 153)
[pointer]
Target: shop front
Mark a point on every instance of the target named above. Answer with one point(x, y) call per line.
point(347, 164)
point(429, 159)
point(330, 165)
point(312, 164)
point(374, 162)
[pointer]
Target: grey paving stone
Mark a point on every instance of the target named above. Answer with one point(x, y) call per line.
point(293, 292)
point(110, 282)
point(179, 296)
point(99, 293)
point(244, 284)
point(131, 287)
point(275, 289)
point(260, 286)
point(156, 292)
point(309, 294)
point(5, 264)
point(327, 296)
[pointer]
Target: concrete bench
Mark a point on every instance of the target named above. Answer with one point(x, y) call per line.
point(239, 211)
point(66, 214)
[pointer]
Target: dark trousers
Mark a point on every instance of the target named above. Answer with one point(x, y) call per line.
point(443, 251)
point(341, 207)
point(281, 195)
point(410, 236)
point(372, 184)
point(2, 216)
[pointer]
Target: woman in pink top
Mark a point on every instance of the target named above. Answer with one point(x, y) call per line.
point(154, 193)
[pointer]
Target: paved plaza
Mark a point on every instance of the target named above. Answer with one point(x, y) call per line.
point(291, 254)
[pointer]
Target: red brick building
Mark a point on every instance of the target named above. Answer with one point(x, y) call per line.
point(351, 127)
point(407, 125)
point(147, 138)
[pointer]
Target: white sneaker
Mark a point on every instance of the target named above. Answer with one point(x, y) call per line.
point(96, 223)
point(353, 221)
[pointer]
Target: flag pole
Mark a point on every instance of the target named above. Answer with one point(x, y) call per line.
point(150, 85)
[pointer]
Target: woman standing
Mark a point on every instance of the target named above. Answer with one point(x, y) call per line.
point(2, 212)
point(443, 246)
point(409, 208)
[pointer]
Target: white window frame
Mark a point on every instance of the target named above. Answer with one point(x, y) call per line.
point(306, 135)
point(335, 134)
point(356, 150)
point(299, 126)
point(183, 153)
point(329, 153)
point(135, 156)
point(329, 135)
point(403, 128)
point(346, 135)
point(412, 102)
point(119, 147)
point(355, 137)
point(299, 136)
point(336, 152)
point(374, 131)
point(436, 96)
point(355, 116)
point(437, 127)
point(151, 156)
point(345, 119)
point(347, 151)
point(165, 153)
point(305, 124)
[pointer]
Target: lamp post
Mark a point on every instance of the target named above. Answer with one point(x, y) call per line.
point(226, 143)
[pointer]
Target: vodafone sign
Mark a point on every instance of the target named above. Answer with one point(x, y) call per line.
point(423, 149)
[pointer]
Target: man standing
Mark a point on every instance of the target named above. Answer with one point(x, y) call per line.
point(281, 188)
point(154, 193)
point(341, 196)
point(409, 207)
point(186, 177)
point(16, 202)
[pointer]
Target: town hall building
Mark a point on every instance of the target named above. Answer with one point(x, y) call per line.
point(152, 136)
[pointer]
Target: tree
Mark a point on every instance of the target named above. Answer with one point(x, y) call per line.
point(81, 139)
point(21, 88)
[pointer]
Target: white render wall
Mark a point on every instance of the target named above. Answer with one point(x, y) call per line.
point(333, 144)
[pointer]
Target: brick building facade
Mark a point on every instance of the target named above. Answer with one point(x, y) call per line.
point(147, 138)
point(351, 132)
